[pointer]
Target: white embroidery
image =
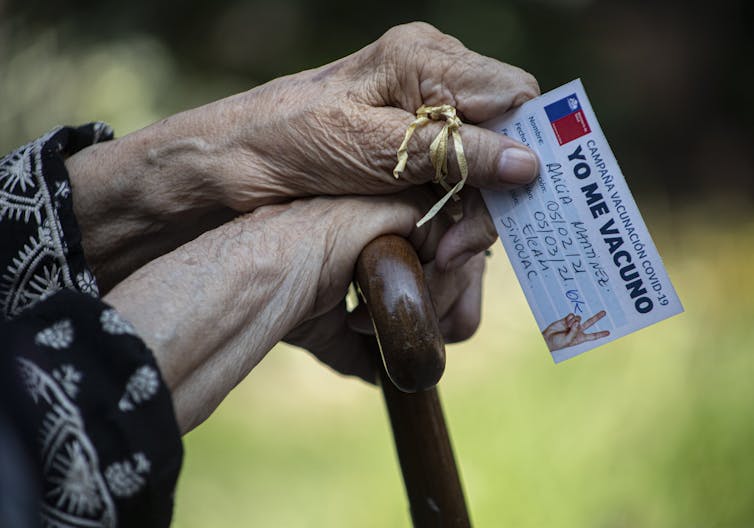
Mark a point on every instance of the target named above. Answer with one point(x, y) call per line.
point(45, 283)
point(141, 386)
point(125, 479)
point(15, 285)
point(44, 234)
point(74, 485)
point(15, 170)
point(87, 283)
point(102, 131)
point(74, 492)
point(62, 189)
point(113, 323)
point(69, 378)
point(18, 207)
point(33, 382)
point(57, 336)
point(56, 233)
point(40, 268)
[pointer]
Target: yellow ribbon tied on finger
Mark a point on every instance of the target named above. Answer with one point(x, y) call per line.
point(438, 152)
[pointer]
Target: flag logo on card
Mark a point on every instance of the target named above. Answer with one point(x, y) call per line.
point(567, 119)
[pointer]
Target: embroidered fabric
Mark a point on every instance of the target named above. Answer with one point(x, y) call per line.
point(109, 447)
point(42, 250)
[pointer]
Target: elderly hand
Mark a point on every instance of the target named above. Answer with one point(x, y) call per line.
point(211, 309)
point(333, 130)
point(337, 338)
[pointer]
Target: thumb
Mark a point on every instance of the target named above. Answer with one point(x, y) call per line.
point(494, 160)
point(497, 161)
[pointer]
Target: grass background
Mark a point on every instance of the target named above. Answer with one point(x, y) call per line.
point(654, 430)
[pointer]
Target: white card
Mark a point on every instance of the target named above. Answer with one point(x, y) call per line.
point(577, 242)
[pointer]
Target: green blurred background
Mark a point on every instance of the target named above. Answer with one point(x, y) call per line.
point(655, 430)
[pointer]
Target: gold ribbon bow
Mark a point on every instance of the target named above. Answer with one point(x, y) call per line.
point(438, 152)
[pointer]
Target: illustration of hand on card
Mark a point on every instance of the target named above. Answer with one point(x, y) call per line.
point(569, 331)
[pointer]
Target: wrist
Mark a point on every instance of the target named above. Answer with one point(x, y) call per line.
point(203, 158)
point(140, 196)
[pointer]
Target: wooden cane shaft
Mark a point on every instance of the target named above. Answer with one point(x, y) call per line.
point(408, 339)
point(428, 466)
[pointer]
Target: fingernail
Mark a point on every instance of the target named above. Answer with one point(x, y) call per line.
point(518, 165)
point(458, 261)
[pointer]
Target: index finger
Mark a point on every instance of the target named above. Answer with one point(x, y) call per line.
point(593, 319)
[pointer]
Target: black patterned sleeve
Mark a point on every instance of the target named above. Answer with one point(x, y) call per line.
point(108, 446)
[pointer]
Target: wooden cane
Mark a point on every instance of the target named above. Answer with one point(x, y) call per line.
point(391, 281)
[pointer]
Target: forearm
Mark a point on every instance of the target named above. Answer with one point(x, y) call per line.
point(212, 309)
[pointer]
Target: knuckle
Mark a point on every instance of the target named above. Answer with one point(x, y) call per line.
point(465, 326)
point(531, 82)
point(478, 264)
point(479, 149)
point(414, 30)
point(412, 35)
point(482, 150)
point(489, 232)
point(528, 88)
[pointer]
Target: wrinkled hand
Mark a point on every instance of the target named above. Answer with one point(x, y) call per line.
point(333, 130)
point(211, 309)
point(337, 337)
point(570, 332)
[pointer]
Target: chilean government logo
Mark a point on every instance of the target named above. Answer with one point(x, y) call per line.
point(567, 119)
